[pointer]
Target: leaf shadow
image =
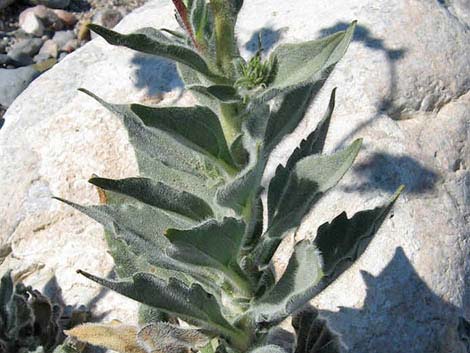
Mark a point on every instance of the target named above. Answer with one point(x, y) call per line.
point(269, 38)
point(386, 172)
point(156, 75)
point(399, 311)
point(386, 104)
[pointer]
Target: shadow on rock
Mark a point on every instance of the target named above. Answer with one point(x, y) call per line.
point(269, 37)
point(386, 104)
point(156, 75)
point(400, 314)
point(383, 171)
point(363, 34)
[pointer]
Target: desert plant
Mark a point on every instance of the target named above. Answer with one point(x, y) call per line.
point(30, 321)
point(187, 236)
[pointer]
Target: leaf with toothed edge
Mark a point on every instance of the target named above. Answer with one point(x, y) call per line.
point(313, 144)
point(293, 289)
point(313, 333)
point(310, 178)
point(343, 240)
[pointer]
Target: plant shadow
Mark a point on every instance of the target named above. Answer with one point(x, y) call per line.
point(156, 75)
point(269, 37)
point(78, 313)
point(386, 172)
point(399, 311)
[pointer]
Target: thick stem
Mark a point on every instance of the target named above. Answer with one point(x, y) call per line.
point(224, 35)
point(230, 121)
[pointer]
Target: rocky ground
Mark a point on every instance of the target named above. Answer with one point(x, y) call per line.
point(36, 34)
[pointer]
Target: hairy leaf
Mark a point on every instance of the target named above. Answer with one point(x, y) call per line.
point(152, 247)
point(343, 240)
point(192, 304)
point(224, 93)
point(305, 63)
point(294, 288)
point(116, 336)
point(313, 334)
point(214, 245)
point(163, 158)
point(197, 126)
point(161, 337)
point(310, 178)
point(158, 195)
point(311, 145)
point(152, 41)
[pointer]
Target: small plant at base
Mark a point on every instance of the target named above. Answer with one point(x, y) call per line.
point(30, 322)
point(187, 236)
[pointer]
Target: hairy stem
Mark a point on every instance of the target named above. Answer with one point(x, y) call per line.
point(230, 121)
point(224, 34)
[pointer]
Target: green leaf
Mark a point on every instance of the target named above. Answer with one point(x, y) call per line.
point(313, 334)
point(163, 158)
point(311, 145)
point(192, 304)
point(306, 63)
point(158, 195)
point(343, 240)
point(310, 178)
point(122, 222)
point(294, 288)
point(214, 245)
point(152, 41)
point(223, 93)
point(197, 127)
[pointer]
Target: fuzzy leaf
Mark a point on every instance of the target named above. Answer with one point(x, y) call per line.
point(217, 241)
point(163, 158)
point(213, 245)
point(304, 63)
point(116, 336)
point(158, 195)
point(224, 93)
point(294, 288)
point(343, 240)
point(198, 127)
point(161, 337)
point(311, 145)
point(310, 178)
point(246, 185)
point(152, 41)
point(313, 334)
point(192, 304)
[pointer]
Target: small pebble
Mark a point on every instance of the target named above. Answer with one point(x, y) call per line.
point(33, 25)
point(49, 49)
point(71, 45)
point(62, 37)
point(67, 18)
point(107, 17)
point(53, 4)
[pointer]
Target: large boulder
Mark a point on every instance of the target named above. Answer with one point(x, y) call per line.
point(403, 86)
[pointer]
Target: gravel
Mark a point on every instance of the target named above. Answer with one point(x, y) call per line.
point(31, 40)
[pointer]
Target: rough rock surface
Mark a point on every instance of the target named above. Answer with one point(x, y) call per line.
point(403, 86)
